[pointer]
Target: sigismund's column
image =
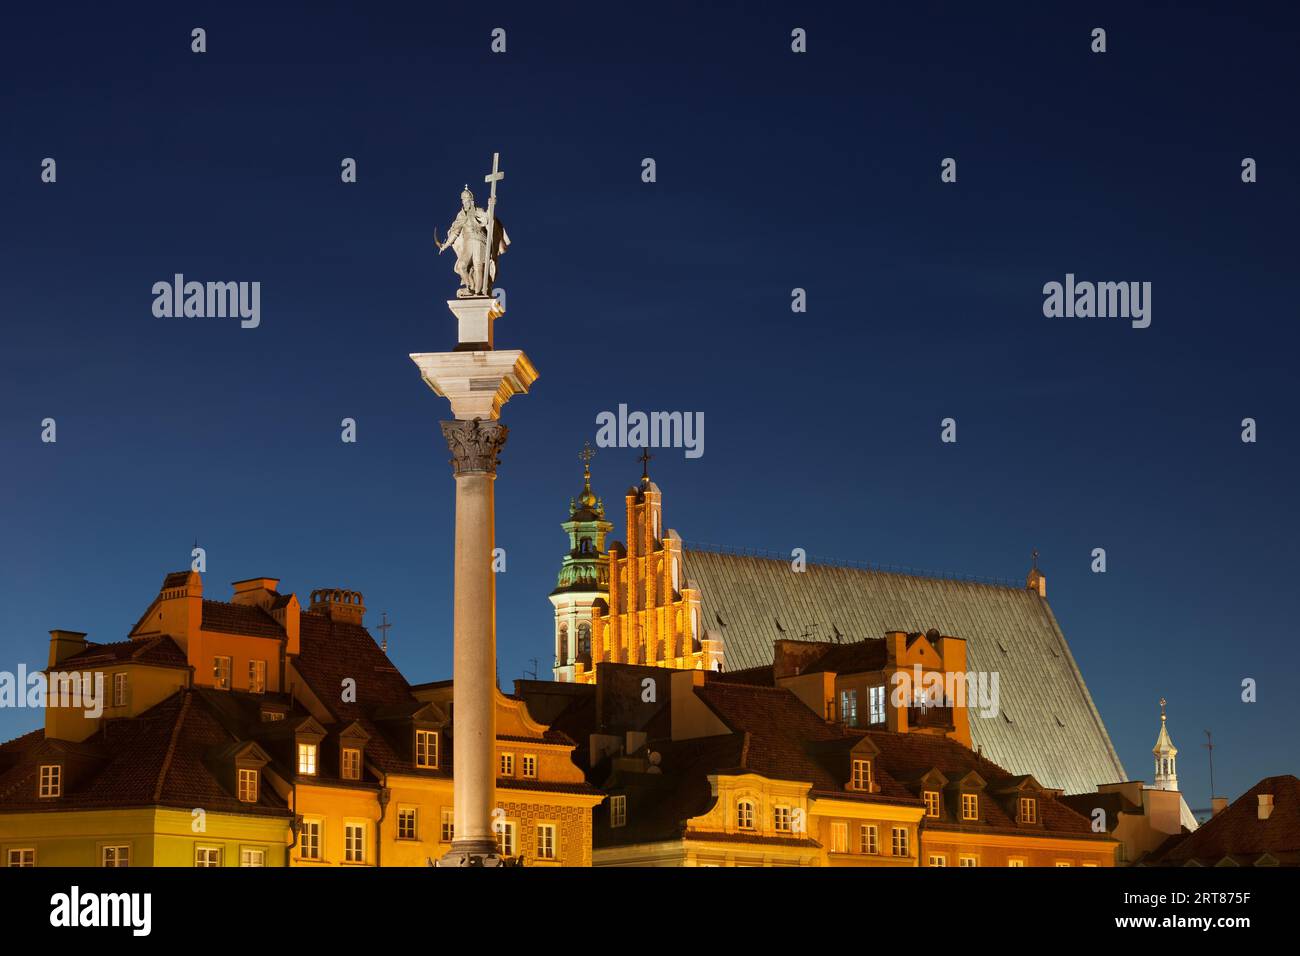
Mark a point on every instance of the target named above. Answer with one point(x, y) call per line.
point(477, 379)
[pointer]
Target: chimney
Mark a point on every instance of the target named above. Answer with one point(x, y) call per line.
point(63, 644)
point(1265, 805)
point(1217, 805)
point(260, 592)
point(338, 605)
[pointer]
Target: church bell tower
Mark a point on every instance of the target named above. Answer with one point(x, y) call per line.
point(583, 581)
point(1165, 753)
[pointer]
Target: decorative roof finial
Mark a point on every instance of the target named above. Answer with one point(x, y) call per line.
point(1035, 556)
point(645, 465)
point(587, 498)
point(1162, 709)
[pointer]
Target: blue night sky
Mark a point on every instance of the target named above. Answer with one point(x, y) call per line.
point(775, 171)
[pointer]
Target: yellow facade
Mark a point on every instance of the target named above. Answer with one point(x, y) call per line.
point(152, 836)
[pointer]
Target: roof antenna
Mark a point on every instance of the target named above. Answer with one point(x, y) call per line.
point(532, 675)
point(1209, 745)
point(384, 627)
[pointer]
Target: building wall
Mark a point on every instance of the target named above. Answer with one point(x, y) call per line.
point(156, 836)
point(1000, 850)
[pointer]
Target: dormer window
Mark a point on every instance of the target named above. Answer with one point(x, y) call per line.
point(248, 784)
point(745, 815)
point(426, 749)
point(861, 775)
point(1028, 810)
point(931, 798)
point(307, 758)
point(51, 782)
point(350, 763)
point(970, 806)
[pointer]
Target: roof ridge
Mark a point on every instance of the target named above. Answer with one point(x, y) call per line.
point(171, 745)
point(817, 561)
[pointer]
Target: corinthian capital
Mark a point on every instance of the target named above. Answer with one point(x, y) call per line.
point(474, 445)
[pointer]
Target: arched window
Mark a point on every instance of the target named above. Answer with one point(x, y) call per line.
point(564, 644)
point(745, 814)
point(676, 582)
point(584, 642)
point(584, 546)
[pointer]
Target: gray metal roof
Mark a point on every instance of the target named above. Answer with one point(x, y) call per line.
point(1047, 724)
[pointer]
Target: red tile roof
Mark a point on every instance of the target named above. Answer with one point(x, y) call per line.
point(246, 619)
point(161, 651)
point(1239, 833)
point(167, 756)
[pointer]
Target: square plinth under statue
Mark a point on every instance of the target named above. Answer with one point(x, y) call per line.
point(474, 318)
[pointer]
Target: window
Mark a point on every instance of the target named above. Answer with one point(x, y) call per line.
point(257, 677)
point(584, 641)
point(507, 765)
point(248, 785)
point(745, 814)
point(119, 689)
point(546, 841)
point(618, 811)
point(221, 673)
point(252, 856)
point(113, 856)
point(351, 763)
point(307, 759)
point(406, 824)
point(849, 707)
point(931, 798)
point(839, 837)
point(938, 859)
point(899, 841)
point(354, 843)
point(1016, 861)
point(862, 775)
point(271, 715)
point(51, 780)
point(207, 856)
point(309, 839)
point(970, 806)
point(1087, 864)
point(781, 819)
point(448, 825)
point(426, 749)
point(868, 838)
point(1062, 863)
point(23, 857)
point(506, 842)
point(878, 704)
point(1028, 810)
point(966, 860)
point(529, 765)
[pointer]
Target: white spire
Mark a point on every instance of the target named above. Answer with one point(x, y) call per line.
point(1165, 752)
